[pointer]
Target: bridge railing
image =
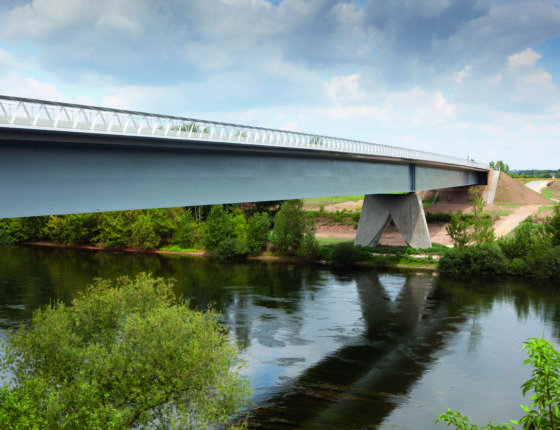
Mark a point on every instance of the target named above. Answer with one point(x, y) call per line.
point(40, 114)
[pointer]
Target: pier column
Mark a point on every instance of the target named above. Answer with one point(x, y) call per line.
point(407, 213)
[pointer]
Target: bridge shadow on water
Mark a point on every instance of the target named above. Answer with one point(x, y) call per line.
point(358, 385)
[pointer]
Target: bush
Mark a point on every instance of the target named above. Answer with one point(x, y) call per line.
point(121, 357)
point(17, 230)
point(114, 229)
point(483, 259)
point(309, 247)
point(544, 263)
point(257, 233)
point(216, 228)
point(344, 254)
point(552, 226)
point(231, 248)
point(185, 234)
point(518, 267)
point(5, 238)
point(143, 234)
point(73, 229)
point(289, 227)
point(526, 237)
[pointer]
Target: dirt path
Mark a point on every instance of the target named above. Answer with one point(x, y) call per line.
point(506, 224)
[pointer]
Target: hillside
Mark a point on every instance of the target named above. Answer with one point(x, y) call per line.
point(511, 191)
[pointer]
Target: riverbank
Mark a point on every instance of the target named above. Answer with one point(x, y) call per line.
point(420, 265)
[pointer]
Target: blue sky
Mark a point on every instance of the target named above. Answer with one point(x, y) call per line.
point(473, 78)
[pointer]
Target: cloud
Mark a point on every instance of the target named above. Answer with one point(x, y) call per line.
point(523, 59)
point(463, 74)
point(418, 72)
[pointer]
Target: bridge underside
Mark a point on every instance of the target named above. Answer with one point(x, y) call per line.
point(45, 173)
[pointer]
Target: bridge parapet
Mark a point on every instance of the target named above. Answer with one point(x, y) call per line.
point(17, 112)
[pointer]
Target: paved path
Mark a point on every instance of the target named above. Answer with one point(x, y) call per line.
point(537, 186)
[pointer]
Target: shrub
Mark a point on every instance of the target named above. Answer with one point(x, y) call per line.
point(526, 237)
point(289, 227)
point(114, 229)
point(5, 238)
point(257, 233)
point(143, 234)
point(552, 226)
point(459, 230)
point(73, 229)
point(518, 267)
point(544, 263)
point(309, 247)
point(121, 357)
point(344, 254)
point(185, 234)
point(23, 229)
point(483, 259)
point(231, 248)
point(217, 228)
point(238, 226)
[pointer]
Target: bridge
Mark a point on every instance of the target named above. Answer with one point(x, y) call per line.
point(61, 158)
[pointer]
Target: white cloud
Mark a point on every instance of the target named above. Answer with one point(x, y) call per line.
point(345, 88)
point(463, 74)
point(526, 58)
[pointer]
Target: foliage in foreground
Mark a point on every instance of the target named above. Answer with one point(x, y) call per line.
point(544, 384)
point(122, 356)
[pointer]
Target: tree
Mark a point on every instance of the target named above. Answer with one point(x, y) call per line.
point(257, 233)
point(483, 230)
point(290, 225)
point(218, 227)
point(464, 230)
point(122, 356)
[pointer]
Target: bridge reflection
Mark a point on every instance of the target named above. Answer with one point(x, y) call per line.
point(359, 384)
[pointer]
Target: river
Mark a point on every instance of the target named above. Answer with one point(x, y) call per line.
point(350, 349)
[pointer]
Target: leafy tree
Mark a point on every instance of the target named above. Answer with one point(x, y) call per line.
point(544, 412)
point(459, 230)
point(552, 226)
point(143, 233)
point(73, 229)
point(120, 357)
point(290, 225)
point(186, 233)
point(216, 228)
point(232, 248)
point(478, 229)
point(16, 230)
point(257, 233)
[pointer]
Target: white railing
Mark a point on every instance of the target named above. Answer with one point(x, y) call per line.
point(29, 113)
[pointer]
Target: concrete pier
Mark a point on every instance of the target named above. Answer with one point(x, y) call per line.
point(406, 211)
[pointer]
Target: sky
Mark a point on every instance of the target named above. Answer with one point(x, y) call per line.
point(466, 78)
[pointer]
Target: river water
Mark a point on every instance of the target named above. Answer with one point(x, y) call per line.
point(349, 349)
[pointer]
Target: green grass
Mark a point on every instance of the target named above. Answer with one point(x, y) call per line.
point(330, 241)
point(176, 248)
point(329, 200)
point(429, 202)
point(545, 208)
point(547, 192)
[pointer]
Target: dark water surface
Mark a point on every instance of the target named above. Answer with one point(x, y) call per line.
point(328, 349)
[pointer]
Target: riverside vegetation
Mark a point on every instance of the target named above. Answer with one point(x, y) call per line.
point(230, 232)
point(121, 356)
